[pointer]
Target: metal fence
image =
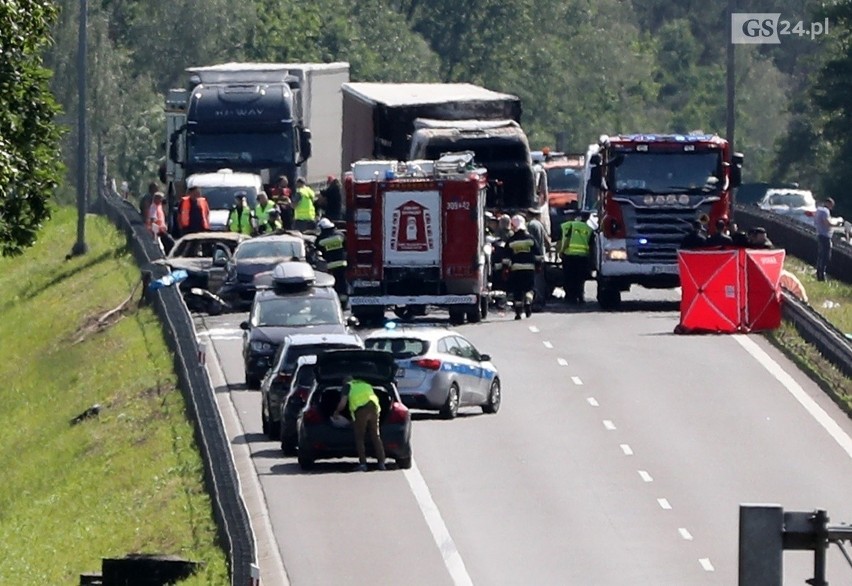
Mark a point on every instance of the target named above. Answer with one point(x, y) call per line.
point(220, 475)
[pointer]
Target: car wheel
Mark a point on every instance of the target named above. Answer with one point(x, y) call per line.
point(305, 463)
point(265, 424)
point(252, 382)
point(403, 463)
point(495, 397)
point(274, 429)
point(288, 446)
point(474, 314)
point(457, 315)
point(609, 297)
point(451, 407)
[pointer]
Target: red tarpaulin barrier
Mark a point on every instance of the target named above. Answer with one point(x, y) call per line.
point(726, 291)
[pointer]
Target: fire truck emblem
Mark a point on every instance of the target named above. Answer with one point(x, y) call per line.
point(412, 228)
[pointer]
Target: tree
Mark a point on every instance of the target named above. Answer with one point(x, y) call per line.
point(30, 165)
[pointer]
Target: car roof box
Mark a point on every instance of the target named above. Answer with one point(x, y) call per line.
point(292, 275)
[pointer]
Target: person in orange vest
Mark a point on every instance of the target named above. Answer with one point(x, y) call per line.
point(156, 222)
point(194, 212)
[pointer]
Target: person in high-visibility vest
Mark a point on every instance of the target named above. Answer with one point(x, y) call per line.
point(331, 244)
point(193, 212)
point(364, 408)
point(525, 258)
point(261, 212)
point(575, 248)
point(303, 203)
point(241, 218)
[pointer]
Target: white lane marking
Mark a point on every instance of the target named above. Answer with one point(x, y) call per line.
point(548, 345)
point(664, 504)
point(609, 424)
point(576, 380)
point(795, 389)
point(705, 563)
point(269, 555)
point(221, 332)
point(685, 534)
point(593, 402)
point(645, 476)
point(626, 449)
point(226, 337)
point(562, 362)
point(534, 329)
point(440, 533)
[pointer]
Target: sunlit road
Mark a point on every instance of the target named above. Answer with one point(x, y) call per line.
point(620, 456)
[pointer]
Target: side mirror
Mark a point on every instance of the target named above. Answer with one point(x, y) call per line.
point(244, 325)
point(304, 145)
point(352, 321)
point(485, 358)
point(737, 169)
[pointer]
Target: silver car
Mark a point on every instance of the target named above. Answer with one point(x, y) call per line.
point(439, 369)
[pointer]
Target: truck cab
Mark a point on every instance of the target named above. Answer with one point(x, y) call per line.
point(648, 189)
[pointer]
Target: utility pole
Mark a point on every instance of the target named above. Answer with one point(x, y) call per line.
point(730, 83)
point(80, 247)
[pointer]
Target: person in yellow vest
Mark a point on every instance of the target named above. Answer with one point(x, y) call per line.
point(241, 218)
point(303, 203)
point(365, 410)
point(261, 212)
point(575, 248)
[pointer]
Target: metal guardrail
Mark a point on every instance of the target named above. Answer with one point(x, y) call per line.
point(220, 475)
point(831, 342)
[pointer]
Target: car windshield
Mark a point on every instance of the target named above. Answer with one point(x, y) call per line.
point(563, 179)
point(222, 197)
point(200, 248)
point(791, 200)
point(666, 173)
point(401, 348)
point(270, 249)
point(298, 311)
point(240, 150)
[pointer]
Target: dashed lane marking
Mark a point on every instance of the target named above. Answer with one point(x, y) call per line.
point(628, 451)
point(534, 329)
point(705, 563)
point(645, 476)
point(593, 402)
point(548, 345)
point(664, 504)
point(609, 425)
point(685, 534)
point(562, 362)
point(576, 380)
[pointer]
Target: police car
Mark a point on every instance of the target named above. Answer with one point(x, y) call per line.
point(297, 300)
point(439, 369)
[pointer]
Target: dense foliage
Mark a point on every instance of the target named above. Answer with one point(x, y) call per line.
point(29, 157)
point(582, 68)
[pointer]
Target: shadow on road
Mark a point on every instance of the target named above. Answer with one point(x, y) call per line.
point(251, 438)
point(433, 416)
point(292, 468)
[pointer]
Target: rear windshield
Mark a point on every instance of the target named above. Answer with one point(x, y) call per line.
point(401, 348)
point(296, 352)
point(305, 376)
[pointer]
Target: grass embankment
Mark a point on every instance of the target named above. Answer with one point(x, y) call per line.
point(833, 300)
point(128, 480)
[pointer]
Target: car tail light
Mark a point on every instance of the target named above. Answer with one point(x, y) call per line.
point(809, 213)
point(283, 378)
point(398, 414)
point(312, 416)
point(428, 363)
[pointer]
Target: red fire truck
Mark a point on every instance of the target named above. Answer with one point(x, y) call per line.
point(416, 238)
point(648, 189)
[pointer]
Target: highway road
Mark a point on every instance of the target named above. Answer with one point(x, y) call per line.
point(621, 455)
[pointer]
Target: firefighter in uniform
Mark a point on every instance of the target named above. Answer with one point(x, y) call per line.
point(330, 243)
point(574, 248)
point(525, 257)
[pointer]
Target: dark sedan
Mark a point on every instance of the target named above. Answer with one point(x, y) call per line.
point(256, 256)
point(319, 438)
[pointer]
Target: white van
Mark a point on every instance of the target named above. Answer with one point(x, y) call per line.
point(221, 187)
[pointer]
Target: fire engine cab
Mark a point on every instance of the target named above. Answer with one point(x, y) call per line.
point(416, 238)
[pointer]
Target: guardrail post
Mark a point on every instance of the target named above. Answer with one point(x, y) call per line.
point(761, 545)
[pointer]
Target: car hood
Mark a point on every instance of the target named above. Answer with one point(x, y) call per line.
point(276, 334)
point(373, 366)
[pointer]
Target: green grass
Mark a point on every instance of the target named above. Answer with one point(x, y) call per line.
point(129, 480)
point(833, 300)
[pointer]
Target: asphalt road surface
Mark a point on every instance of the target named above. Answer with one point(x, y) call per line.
point(620, 456)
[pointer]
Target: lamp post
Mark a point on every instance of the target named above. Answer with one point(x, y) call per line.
point(80, 247)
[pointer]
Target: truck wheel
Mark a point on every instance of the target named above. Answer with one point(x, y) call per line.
point(404, 313)
point(457, 315)
point(474, 313)
point(609, 298)
point(483, 306)
point(403, 463)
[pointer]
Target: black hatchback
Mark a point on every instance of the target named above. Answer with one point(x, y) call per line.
point(319, 438)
